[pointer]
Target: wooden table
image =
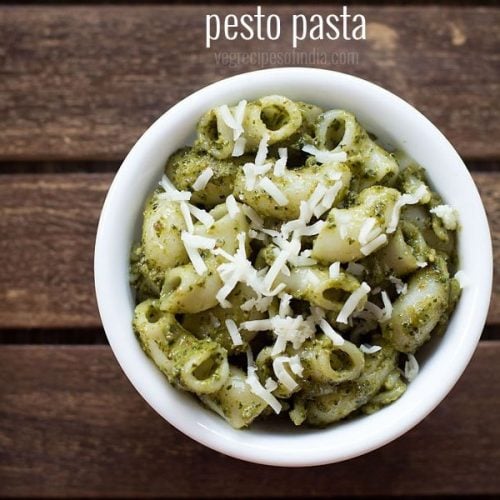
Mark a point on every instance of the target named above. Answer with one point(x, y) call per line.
point(78, 85)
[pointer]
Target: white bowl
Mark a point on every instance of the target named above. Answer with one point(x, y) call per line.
point(394, 122)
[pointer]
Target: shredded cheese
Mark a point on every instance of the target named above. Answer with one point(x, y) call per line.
point(262, 150)
point(447, 214)
point(234, 333)
point(232, 206)
point(171, 193)
point(255, 219)
point(187, 216)
point(365, 229)
point(280, 165)
point(198, 242)
point(292, 249)
point(239, 147)
point(198, 263)
point(355, 269)
point(352, 302)
point(282, 374)
point(294, 330)
point(325, 156)
point(374, 245)
point(401, 286)
point(405, 199)
point(411, 368)
point(192, 243)
point(334, 270)
point(327, 329)
point(387, 315)
point(203, 179)
point(202, 215)
point(462, 279)
point(229, 120)
point(257, 388)
point(369, 349)
point(273, 191)
point(328, 199)
point(285, 309)
point(372, 310)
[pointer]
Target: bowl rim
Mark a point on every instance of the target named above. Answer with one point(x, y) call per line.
point(281, 453)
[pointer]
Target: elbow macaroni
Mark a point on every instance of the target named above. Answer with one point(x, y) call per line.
point(291, 264)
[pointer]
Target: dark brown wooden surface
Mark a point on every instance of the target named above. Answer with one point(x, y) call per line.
point(84, 82)
point(78, 85)
point(48, 223)
point(80, 429)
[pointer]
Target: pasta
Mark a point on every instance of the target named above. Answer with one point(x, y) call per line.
point(288, 263)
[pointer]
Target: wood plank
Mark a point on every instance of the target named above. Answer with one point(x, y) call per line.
point(72, 425)
point(84, 82)
point(48, 225)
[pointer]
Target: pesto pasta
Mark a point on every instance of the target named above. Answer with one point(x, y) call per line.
point(290, 264)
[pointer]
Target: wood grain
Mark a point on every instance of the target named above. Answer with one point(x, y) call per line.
point(72, 425)
point(48, 224)
point(84, 82)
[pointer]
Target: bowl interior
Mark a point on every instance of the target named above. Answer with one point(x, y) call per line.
point(397, 125)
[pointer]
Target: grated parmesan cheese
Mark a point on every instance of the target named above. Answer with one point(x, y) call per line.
point(282, 374)
point(171, 193)
point(239, 147)
point(352, 302)
point(411, 368)
point(374, 310)
point(285, 309)
point(239, 115)
point(405, 199)
point(447, 214)
point(325, 156)
point(462, 279)
point(387, 315)
point(232, 206)
point(334, 270)
point(374, 245)
point(401, 286)
point(355, 269)
point(294, 330)
point(255, 219)
point(262, 150)
point(369, 349)
point(280, 165)
point(304, 259)
point(273, 191)
point(203, 216)
point(229, 120)
point(198, 263)
point(259, 303)
point(187, 216)
point(365, 229)
point(198, 242)
point(203, 179)
point(293, 248)
point(255, 235)
point(234, 333)
point(257, 388)
point(327, 329)
point(192, 243)
point(328, 199)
